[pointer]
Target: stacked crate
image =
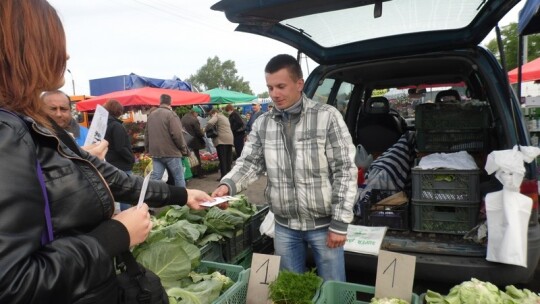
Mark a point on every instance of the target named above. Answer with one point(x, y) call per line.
point(446, 200)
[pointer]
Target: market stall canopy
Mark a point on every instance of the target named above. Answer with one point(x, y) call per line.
point(145, 97)
point(218, 95)
point(529, 72)
point(529, 18)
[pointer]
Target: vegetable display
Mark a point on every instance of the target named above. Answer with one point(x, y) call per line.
point(294, 288)
point(388, 301)
point(172, 249)
point(479, 292)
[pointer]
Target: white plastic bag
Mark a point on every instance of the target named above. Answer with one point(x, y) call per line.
point(267, 226)
point(362, 159)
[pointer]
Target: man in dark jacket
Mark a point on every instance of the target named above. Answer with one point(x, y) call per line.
point(164, 141)
point(256, 106)
point(238, 128)
point(191, 124)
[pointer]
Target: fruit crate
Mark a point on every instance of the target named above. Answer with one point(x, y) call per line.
point(333, 292)
point(444, 217)
point(395, 217)
point(445, 185)
point(452, 127)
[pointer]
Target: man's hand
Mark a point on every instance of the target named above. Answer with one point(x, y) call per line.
point(195, 197)
point(335, 240)
point(98, 149)
point(221, 191)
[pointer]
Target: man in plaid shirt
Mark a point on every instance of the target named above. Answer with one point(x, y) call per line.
point(308, 154)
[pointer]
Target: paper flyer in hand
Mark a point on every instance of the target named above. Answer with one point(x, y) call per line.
point(98, 127)
point(219, 200)
point(365, 239)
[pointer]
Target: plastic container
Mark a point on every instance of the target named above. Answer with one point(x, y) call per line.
point(392, 216)
point(452, 127)
point(444, 217)
point(445, 185)
point(253, 224)
point(333, 292)
point(237, 293)
point(212, 252)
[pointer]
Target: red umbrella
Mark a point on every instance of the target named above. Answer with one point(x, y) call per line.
point(145, 97)
point(529, 72)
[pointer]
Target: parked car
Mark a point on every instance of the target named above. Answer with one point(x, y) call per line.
point(369, 49)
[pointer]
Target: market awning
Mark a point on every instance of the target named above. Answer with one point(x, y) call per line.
point(529, 72)
point(218, 96)
point(145, 97)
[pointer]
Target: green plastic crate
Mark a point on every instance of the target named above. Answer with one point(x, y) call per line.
point(333, 292)
point(445, 185)
point(237, 293)
point(232, 271)
point(444, 217)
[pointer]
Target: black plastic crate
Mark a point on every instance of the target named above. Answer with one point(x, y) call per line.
point(234, 246)
point(253, 224)
point(393, 216)
point(212, 252)
point(444, 217)
point(452, 127)
point(445, 185)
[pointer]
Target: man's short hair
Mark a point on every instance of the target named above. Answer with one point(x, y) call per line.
point(54, 92)
point(284, 61)
point(165, 99)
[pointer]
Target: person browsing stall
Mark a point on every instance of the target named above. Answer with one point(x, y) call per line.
point(164, 141)
point(308, 154)
point(58, 107)
point(58, 234)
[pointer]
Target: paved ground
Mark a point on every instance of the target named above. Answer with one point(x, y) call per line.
point(255, 193)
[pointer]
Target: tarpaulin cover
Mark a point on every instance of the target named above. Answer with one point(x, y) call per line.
point(529, 72)
point(106, 85)
point(218, 96)
point(145, 96)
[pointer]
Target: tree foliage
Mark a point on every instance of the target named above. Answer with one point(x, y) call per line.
point(509, 37)
point(217, 74)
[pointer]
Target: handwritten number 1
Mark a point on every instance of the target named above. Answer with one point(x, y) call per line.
point(394, 262)
point(267, 262)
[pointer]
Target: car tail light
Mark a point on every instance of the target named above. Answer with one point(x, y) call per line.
point(530, 189)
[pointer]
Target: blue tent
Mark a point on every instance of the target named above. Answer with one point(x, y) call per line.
point(529, 18)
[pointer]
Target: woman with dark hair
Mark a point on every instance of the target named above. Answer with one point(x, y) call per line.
point(58, 235)
point(119, 154)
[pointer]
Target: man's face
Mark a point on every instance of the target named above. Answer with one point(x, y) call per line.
point(283, 89)
point(57, 107)
point(255, 107)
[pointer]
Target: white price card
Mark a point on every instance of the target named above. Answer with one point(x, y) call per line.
point(264, 270)
point(395, 275)
point(98, 127)
point(219, 200)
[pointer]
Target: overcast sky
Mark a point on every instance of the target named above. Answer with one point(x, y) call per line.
point(162, 39)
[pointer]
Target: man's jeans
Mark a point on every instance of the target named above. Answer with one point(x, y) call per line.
point(291, 245)
point(174, 164)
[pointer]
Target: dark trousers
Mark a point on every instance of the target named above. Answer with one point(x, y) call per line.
point(224, 153)
point(238, 144)
point(197, 170)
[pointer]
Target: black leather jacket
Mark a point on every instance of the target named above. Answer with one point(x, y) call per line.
point(77, 266)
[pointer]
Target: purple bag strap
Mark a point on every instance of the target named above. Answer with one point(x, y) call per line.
point(47, 235)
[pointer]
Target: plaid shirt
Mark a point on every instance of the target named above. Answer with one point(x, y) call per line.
point(320, 190)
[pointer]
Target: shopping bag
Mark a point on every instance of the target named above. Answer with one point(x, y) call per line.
point(193, 161)
point(187, 168)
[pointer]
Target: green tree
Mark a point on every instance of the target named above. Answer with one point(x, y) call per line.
point(263, 95)
point(215, 74)
point(509, 37)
